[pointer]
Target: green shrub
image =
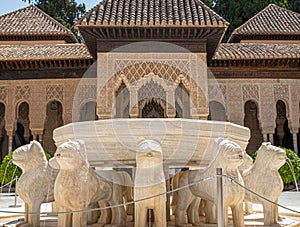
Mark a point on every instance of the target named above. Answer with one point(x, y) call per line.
point(285, 171)
point(8, 170)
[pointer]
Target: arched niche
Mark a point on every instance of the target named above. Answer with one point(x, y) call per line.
point(282, 136)
point(122, 101)
point(88, 111)
point(152, 100)
point(216, 111)
point(251, 121)
point(182, 102)
point(22, 133)
point(3, 134)
point(53, 120)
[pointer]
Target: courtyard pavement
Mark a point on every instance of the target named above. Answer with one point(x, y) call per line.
point(290, 218)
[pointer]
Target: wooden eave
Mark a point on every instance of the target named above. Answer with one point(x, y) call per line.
point(92, 33)
point(45, 64)
point(36, 37)
point(236, 38)
point(271, 62)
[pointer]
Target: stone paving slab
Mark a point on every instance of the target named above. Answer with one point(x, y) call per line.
point(288, 199)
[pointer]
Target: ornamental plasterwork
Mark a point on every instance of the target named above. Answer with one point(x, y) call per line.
point(22, 92)
point(135, 69)
point(87, 91)
point(250, 92)
point(55, 92)
point(3, 93)
point(150, 90)
point(122, 78)
point(217, 92)
point(281, 91)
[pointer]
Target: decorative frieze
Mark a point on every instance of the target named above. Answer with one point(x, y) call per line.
point(217, 92)
point(87, 91)
point(250, 92)
point(55, 92)
point(168, 69)
point(281, 91)
point(3, 93)
point(22, 92)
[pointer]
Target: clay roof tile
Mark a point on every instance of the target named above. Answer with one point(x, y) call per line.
point(152, 13)
point(31, 21)
point(272, 21)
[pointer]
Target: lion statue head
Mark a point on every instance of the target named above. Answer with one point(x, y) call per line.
point(270, 155)
point(71, 155)
point(228, 153)
point(29, 156)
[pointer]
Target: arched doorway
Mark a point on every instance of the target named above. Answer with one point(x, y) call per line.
point(88, 112)
point(22, 134)
point(282, 136)
point(122, 102)
point(216, 111)
point(182, 102)
point(152, 100)
point(53, 120)
point(251, 121)
point(3, 134)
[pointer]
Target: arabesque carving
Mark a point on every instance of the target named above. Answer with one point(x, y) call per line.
point(55, 92)
point(250, 92)
point(22, 92)
point(3, 93)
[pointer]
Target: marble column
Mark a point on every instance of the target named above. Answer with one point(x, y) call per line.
point(271, 138)
point(295, 143)
point(134, 107)
point(265, 137)
point(10, 141)
point(170, 104)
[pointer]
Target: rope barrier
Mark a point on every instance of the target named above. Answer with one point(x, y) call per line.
point(270, 201)
point(9, 183)
point(150, 197)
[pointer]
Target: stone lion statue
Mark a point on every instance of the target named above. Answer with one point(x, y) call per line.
point(79, 187)
point(229, 157)
point(150, 180)
point(264, 179)
point(36, 184)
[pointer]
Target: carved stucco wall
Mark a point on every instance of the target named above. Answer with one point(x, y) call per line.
point(265, 93)
point(168, 70)
point(37, 93)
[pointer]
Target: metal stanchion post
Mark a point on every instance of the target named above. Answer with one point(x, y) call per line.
point(220, 205)
point(15, 204)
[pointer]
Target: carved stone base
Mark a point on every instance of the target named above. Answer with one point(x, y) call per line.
point(250, 220)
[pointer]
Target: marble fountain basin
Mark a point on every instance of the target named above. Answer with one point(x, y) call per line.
point(184, 142)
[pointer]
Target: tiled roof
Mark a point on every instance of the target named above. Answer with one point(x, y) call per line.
point(248, 51)
point(31, 21)
point(272, 21)
point(44, 52)
point(151, 13)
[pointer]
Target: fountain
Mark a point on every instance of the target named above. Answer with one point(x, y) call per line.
point(182, 142)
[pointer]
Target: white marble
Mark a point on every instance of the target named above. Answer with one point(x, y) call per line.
point(36, 184)
point(229, 156)
point(264, 179)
